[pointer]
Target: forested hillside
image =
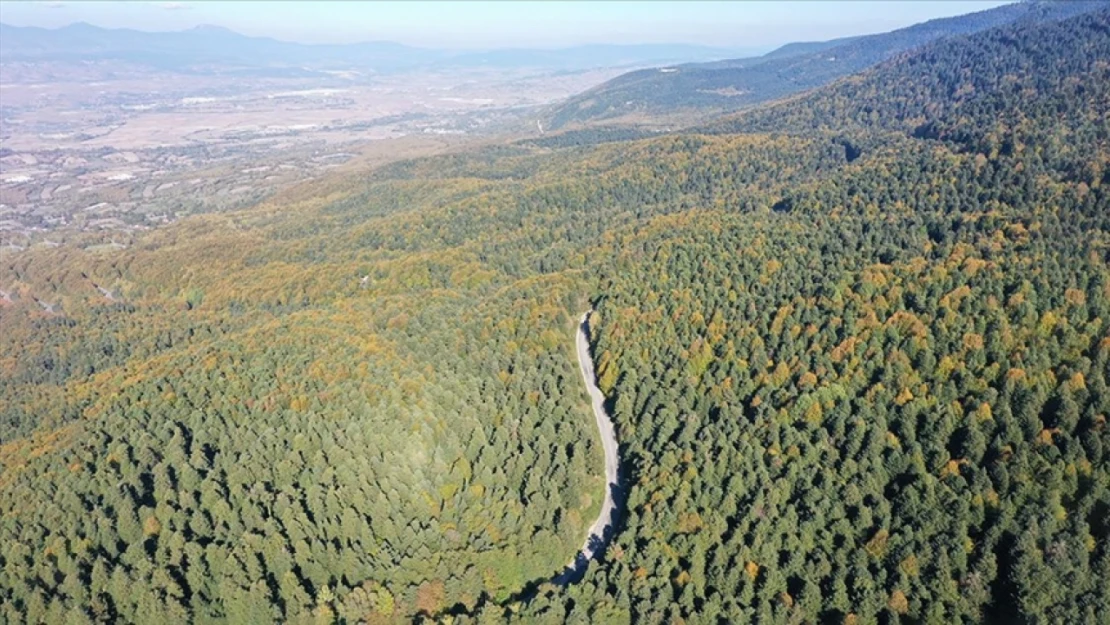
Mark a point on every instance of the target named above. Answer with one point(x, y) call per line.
point(360, 404)
point(885, 398)
point(855, 346)
point(719, 86)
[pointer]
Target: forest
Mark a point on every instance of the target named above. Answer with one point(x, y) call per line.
point(855, 344)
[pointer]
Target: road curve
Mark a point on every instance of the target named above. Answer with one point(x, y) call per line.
point(601, 530)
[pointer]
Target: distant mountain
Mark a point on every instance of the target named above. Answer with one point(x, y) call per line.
point(738, 83)
point(799, 48)
point(208, 49)
point(591, 56)
point(193, 50)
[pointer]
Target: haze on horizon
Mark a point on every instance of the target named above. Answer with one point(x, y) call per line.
point(505, 24)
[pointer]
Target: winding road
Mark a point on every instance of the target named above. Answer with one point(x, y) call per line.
point(601, 530)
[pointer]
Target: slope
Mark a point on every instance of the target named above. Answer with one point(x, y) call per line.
point(862, 385)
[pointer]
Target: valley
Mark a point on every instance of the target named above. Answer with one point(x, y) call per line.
point(111, 155)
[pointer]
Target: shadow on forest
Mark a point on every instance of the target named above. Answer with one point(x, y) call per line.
point(598, 545)
point(573, 573)
point(576, 570)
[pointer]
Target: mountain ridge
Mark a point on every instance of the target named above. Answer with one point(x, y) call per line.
point(733, 84)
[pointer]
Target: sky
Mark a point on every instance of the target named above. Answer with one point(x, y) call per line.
point(503, 23)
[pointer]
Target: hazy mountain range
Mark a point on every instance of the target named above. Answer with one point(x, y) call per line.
point(209, 49)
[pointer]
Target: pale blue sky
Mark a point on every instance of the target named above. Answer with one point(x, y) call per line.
point(503, 23)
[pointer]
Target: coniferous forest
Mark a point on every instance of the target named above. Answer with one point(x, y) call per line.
point(855, 343)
